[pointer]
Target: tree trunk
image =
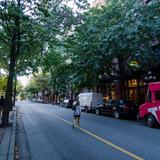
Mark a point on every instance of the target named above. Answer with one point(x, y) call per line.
point(122, 86)
point(122, 79)
point(14, 90)
point(14, 52)
point(8, 96)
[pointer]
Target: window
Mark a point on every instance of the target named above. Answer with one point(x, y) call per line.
point(132, 83)
point(157, 95)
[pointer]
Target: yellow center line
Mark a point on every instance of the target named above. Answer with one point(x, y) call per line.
point(99, 138)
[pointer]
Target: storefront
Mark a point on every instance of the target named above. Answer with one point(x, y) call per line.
point(135, 90)
point(109, 90)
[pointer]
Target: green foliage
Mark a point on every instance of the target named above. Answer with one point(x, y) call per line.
point(23, 95)
point(38, 83)
point(42, 24)
point(19, 87)
point(133, 34)
point(52, 35)
point(125, 30)
point(3, 84)
point(29, 30)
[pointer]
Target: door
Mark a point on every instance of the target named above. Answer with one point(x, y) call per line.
point(157, 105)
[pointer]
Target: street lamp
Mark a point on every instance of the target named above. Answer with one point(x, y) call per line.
point(100, 76)
point(149, 77)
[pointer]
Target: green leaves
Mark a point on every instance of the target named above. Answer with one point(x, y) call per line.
point(52, 33)
point(122, 30)
point(3, 84)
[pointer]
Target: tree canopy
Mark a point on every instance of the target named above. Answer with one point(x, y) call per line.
point(73, 48)
point(126, 30)
point(28, 29)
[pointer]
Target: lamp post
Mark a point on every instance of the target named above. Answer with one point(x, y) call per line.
point(149, 77)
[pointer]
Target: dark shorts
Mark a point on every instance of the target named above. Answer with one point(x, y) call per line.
point(77, 116)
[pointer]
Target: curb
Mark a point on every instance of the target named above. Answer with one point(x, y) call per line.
point(8, 141)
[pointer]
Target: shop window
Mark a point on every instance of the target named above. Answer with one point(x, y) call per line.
point(133, 94)
point(141, 83)
point(157, 95)
point(132, 83)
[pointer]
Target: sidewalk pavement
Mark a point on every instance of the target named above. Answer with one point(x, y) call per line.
point(7, 138)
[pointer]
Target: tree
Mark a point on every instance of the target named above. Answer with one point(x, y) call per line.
point(37, 83)
point(13, 20)
point(83, 49)
point(87, 44)
point(25, 29)
point(59, 70)
point(133, 38)
point(124, 31)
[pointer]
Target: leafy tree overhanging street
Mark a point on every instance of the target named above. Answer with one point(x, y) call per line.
point(27, 28)
point(103, 53)
point(45, 35)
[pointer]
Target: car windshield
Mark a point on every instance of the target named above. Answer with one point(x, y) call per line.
point(126, 102)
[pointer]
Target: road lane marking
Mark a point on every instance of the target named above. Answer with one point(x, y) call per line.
point(98, 138)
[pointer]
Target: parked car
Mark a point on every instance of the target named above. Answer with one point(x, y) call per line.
point(150, 110)
point(40, 100)
point(67, 103)
point(117, 108)
point(88, 101)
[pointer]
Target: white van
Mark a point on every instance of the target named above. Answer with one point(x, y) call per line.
point(88, 101)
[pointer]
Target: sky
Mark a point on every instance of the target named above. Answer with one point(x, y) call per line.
point(71, 3)
point(25, 79)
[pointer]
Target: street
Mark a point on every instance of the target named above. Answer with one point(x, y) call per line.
point(50, 136)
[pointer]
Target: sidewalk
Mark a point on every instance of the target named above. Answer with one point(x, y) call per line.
point(7, 138)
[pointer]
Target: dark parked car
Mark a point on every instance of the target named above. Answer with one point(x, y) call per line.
point(118, 108)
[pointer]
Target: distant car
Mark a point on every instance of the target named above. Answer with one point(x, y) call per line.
point(117, 108)
point(40, 100)
point(34, 99)
point(67, 103)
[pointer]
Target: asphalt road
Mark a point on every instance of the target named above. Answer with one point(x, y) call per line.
point(50, 136)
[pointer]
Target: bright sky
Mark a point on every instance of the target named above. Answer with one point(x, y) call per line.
point(72, 4)
point(25, 79)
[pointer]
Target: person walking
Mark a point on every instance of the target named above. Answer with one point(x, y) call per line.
point(76, 114)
